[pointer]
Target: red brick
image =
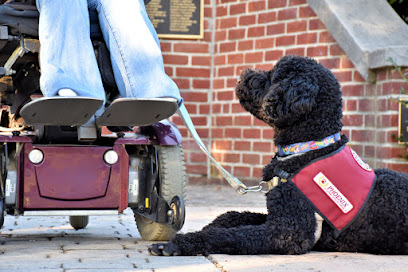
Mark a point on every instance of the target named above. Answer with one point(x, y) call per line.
point(326, 37)
point(226, 23)
point(234, 34)
point(168, 70)
point(226, 108)
point(306, 12)
point(267, 134)
point(191, 48)
point(242, 145)
point(352, 120)
point(195, 96)
point(245, 45)
point(230, 157)
point(201, 84)
point(306, 38)
point(330, 63)
point(237, 108)
point(223, 120)
point(196, 169)
point(201, 60)
point(357, 77)
point(266, 17)
point(258, 31)
point(276, 4)
point(253, 57)
point(316, 24)
point(242, 120)
point(273, 55)
point(235, 58)
point(264, 43)
point(262, 147)
point(251, 158)
point(352, 90)
point(241, 171)
point(220, 35)
point(234, 133)
point(295, 51)
point(336, 50)
point(361, 136)
point(350, 105)
point(225, 95)
point(346, 63)
point(221, 11)
point(287, 14)
point(285, 40)
point(208, 12)
point(182, 83)
point(296, 2)
point(227, 47)
point(219, 83)
point(204, 109)
point(401, 167)
point(222, 145)
point(247, 20)
point(197, 157)
point(369, 121)
point(366, 104)
point(317, 51)
point(298, 26)
point(217, 133)
point(256, 5)
point(225, 71)
point(275, 29)
point(220, 60)
point(237, 9)
point(252, 133)
point(199, 121)
point(165, 47)
point(343, 76)
point(192, 72)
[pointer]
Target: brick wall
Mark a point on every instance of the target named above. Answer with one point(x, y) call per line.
point(240, 34)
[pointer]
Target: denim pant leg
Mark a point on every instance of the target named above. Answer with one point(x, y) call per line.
point(67, 57)
point(135, 49)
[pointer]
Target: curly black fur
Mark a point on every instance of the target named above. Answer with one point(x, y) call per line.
point(301, 100)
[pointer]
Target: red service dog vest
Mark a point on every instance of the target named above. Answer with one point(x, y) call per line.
point(338, 185)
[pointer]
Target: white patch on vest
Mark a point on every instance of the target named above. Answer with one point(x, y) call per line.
point(360, 162)
point(333, 193)
point(318, 230)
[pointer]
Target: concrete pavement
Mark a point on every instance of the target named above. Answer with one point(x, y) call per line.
point(112, 243)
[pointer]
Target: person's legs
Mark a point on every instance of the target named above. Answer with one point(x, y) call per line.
point(135, 50)
point(67, 57)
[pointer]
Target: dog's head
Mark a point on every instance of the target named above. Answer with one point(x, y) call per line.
point(299, 98)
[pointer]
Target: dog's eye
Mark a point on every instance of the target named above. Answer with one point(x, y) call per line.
point(238, 79)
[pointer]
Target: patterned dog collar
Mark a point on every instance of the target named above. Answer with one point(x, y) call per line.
point(308, 146)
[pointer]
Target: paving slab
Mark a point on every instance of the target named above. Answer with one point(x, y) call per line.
point(112, 243)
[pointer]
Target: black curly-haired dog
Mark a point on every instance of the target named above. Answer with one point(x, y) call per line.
point(301, 100)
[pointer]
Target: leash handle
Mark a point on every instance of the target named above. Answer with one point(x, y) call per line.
point(233, 181)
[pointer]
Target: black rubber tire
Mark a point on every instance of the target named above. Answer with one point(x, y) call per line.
point(1, 212)
point(173, 177)
point(79, 221)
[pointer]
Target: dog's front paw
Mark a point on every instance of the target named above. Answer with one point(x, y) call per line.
point(168, 249)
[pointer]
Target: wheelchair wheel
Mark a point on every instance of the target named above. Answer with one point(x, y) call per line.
point(79, 222)
point(1, 212)
point(173, 178)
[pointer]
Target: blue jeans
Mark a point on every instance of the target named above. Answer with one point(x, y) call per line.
point(68, 60)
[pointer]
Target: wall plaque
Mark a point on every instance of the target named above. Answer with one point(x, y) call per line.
point(180, 19)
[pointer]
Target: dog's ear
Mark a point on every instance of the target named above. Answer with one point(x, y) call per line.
point(251, 89)
point(289, 101)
